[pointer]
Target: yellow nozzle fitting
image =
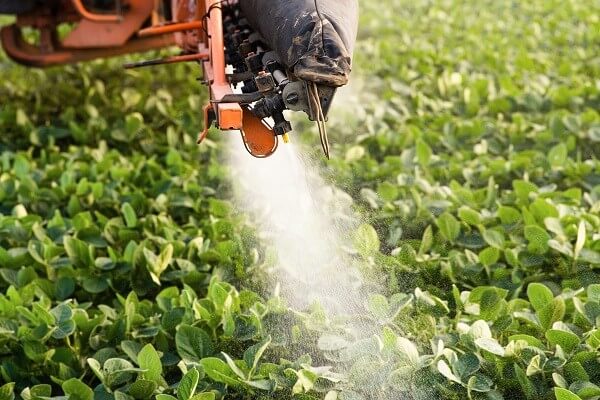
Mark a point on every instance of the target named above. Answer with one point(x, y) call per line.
point(286, 138)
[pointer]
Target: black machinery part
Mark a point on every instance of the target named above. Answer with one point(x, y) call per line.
point(17, 6)
point(313, 38)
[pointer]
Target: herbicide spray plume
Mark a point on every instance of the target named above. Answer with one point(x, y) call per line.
point(309, 225)
point(305, 222)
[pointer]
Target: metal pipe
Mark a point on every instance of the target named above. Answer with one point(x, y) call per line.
point(168, 60)
point(170, 28)
point(217, 47)
point(94, 16)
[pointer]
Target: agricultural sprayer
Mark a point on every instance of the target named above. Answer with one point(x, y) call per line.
point(259, 57)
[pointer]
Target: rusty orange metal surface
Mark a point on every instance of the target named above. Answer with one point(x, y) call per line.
point(196, 27)
point(229, 115)
point(258, 138)
point(207, 110)
point(186, 11)
point(90, 16)
point(89, 33)
point(21, 51)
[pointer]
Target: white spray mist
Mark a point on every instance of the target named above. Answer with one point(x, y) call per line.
point(305, 221)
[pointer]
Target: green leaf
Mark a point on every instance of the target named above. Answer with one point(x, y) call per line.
point(479, 383)
point(188, 384)
point(449, 226)
point(254, 353)
point(388, 191)
point(129, 215)
point(77, 390)
point(331, 395)
point(219, 371)
point(542, 209)
point(330, 342)
point(122, 396)
point(305, 382)
point(585, 390)
point(593, 339)
point(366, 240)
point(574, 371)
point(593, 292)
point(552, 312)
point(158, 264)
point(133, 124)
point(445, 370)
point(80, 254)
point(564, 394)
point(204, 396)
point(548, 309)
point(567, 340)
point(193, 344)
point(489, 256)
point(557, 156)
point(7, 391)
point(491, 304)
point(117, 372)
point(581, 235)
point(355, 153)
point(526, 385)
point(535, 365)
point(589, 256)
point(509, 215)
point(490, 345)
point(96, 368)
point(64, 287)
point(532, 341)
point(559, 380)
point(149, 360)
point(95, 285)
point(409, 350)
point(522, 190)
point(538, 239)
point(37, 391)
point(494, 238)
point(469, 216)
point(426, 240)
point(62, 313)
point(424, 152)
point(65, 326)
point(539, 295)
point(465, 366)
point(142, 389)
point(236, 367)
point(132, 349)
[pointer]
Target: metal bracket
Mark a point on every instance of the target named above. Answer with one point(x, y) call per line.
point(95, 17)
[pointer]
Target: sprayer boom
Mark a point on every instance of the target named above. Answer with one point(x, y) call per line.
point(259, 57)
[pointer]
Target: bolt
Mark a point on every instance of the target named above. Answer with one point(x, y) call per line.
point(292, 98)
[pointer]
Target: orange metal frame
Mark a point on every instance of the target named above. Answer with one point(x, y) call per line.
point(92, 16)
point(259, 139)
point(197, 28)
point(93, 36)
